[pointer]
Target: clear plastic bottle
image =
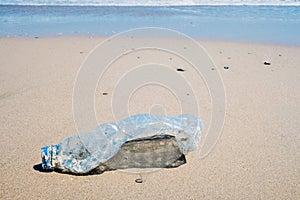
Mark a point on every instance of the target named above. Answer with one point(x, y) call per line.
point(84, 152)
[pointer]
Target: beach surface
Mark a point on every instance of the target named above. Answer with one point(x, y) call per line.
point(256, 157)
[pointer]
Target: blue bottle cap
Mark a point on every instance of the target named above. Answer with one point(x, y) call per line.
point(47, 154)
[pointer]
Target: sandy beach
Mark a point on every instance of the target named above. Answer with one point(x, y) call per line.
point(256, 157)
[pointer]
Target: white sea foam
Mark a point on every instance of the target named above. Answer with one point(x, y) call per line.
point(150, 2)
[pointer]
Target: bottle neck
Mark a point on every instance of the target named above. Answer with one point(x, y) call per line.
point(49, 155)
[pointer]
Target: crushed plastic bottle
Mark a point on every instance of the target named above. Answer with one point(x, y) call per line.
point(83, 152)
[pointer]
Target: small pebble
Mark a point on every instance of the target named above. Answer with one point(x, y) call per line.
point(226, 67)
point(180, 70)
point(212, 68)
point(81, 52)
point(139, 180)
point(267, 63)
point(104, 93)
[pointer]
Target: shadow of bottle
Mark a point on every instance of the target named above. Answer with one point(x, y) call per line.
point(38, 167)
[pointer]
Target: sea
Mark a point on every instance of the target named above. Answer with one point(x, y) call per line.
point(259, 21)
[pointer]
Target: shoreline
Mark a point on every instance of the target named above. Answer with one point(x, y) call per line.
point(199, 40)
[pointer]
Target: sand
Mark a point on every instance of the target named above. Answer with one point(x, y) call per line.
point(256, 157)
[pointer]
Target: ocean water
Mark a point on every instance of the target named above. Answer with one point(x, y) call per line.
point(149, 2)
point(274, 21)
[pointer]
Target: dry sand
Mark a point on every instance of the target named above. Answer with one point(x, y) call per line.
point(257, 155)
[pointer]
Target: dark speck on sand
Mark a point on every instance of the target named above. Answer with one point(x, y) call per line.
point(139, 180)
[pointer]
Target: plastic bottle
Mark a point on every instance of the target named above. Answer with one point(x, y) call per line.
point(83, 152)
